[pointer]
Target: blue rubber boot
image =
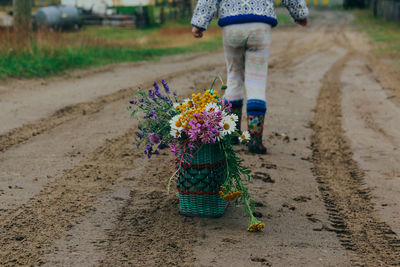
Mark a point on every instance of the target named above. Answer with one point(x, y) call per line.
point(256, 128)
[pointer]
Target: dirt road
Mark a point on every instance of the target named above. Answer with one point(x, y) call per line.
point(74, 191)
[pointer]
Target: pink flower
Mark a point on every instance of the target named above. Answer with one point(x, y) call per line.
point(174, 149)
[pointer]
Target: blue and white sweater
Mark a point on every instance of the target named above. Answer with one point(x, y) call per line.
point(243, 11)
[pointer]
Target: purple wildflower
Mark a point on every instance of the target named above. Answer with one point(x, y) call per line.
point(156, 88)
point(174, 149)
point(206, 131)
point(133, 102)
point(165, 85)
point(158, 93)
point(148, 150)
point(152, 95)
point(154, 138)
point(174, 93)
point(140, 135)
point(194, 130)
point(228, 105)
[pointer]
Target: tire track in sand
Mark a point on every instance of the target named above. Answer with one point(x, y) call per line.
point(148, 230)
point(71, 112)
point(370, 241)
point(27, 232)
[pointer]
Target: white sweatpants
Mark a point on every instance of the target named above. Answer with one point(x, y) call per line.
point(246, 53)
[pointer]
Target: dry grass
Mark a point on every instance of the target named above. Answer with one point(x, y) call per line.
point(46, 52)
point(96, 36)
point(166, 37)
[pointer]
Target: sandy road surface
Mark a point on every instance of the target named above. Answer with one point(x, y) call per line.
point(75, 192)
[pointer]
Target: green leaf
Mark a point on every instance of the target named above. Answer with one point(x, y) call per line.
point(133, 113)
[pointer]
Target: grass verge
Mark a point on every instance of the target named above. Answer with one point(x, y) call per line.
point(384, 33)
point(52, 53)
point(45, 62)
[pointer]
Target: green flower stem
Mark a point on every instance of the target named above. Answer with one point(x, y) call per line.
point(223, 86)
point(234, 171)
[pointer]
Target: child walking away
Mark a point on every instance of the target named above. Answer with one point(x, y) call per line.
point(246, 35)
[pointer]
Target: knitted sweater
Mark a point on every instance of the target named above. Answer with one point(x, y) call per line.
point(243, 11)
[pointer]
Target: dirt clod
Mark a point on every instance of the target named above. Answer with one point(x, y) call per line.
point(263, 176)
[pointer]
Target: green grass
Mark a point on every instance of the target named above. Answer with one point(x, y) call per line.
point(115, 32)
point(45, 62)
point(333, 7)
point(383, 32)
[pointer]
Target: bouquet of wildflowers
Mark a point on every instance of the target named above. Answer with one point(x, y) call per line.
point(185, 126)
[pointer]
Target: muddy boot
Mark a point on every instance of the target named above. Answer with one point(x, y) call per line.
point(237, 112)
point(256, 127)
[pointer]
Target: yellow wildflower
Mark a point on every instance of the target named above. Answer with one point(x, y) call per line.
point(230, 196)
point(256, 227)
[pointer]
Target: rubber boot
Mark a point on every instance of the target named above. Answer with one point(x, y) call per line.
point(238, 112)
point(256, 128)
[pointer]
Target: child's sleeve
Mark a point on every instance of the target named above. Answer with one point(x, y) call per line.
point(297, 8)
point(204, 13)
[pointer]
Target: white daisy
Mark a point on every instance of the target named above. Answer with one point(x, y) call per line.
point(211, 106)
point(233, 117)
point(244, 137)
point(219, 136)
point(175, 133)
point(228, 126)
point(174, 121)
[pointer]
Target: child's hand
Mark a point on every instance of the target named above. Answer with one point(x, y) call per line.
point(197, 33)
point(302, 22)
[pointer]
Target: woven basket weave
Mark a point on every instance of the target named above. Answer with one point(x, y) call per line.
point(199, 181)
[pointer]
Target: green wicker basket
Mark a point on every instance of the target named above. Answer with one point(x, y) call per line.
point(199, 181)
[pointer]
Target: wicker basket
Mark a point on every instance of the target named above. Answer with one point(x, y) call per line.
point(199, 181)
